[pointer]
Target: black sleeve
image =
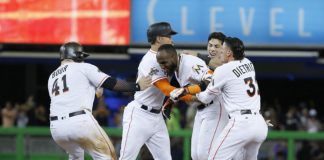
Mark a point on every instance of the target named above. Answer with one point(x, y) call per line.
point(203, 85)
point(114, 84)
point(204, 57)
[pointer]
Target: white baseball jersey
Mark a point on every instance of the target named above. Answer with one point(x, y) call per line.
point(140, 126)
point(236, 82)
point(151, 96)
point(191, 70)
point(72, 87)
point(210, 121)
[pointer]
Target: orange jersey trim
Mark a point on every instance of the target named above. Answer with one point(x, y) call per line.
point(165, 87)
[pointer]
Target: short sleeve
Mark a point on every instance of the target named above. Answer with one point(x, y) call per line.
point(150, 67)
point(198, 70)
point(95, 76)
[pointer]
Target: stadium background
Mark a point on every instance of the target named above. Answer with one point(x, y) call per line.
point(285, 40)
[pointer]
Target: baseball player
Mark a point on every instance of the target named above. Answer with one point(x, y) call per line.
point(215, 41)
point(72, 88)
point(210, 118)
point(143, 122)
point(235, 82)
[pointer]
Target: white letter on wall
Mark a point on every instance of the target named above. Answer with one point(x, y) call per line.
point(150, 11)
point(184, 22)
point(213, 25)
point(246, 22)
point(273, 26)
point(301, 25)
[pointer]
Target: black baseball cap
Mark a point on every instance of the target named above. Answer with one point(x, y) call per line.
point(159, 29)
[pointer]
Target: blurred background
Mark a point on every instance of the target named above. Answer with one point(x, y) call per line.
point(284, 39)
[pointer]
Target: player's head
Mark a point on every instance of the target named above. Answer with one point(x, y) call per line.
point(234, 46)
point(160, 32)
point(167, 57)
point(215, 41)
point(73, 51)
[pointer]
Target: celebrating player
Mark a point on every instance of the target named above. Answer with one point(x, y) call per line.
point(210, 118)
point(215, 42)
point(72, 88)
point(143, 122)
point(235, 82)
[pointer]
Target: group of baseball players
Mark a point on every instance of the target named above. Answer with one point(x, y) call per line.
point(228, 124)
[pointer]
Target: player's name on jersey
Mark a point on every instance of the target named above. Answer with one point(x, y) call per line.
point(242, 69)
point(59, 71)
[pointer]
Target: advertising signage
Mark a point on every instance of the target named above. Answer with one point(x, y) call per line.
point(99, 22)
point(257, 22)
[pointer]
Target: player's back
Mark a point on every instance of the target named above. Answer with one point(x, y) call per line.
point(70, 88)
point(151, 96)
point(240, 90)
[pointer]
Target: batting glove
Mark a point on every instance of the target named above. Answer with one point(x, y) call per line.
point(176, 93)
point(207, 77)
point(269, 123)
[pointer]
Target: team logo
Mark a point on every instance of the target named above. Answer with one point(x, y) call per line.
point(153, 71)
point(197, 68)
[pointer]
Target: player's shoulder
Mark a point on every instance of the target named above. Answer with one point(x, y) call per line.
point(238, 62)
point(189, 59)
point(84, 66)
point(246, 60)
point(226, 67)
point(149, 59)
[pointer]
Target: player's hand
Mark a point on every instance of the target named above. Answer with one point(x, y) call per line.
point(207, 77)
point(269, 123)
point(99, 92)
point(190, 52)
point(144, 82)
point(166, 108)
point(176, 94)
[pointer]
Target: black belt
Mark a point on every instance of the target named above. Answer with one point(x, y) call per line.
point(72, 114)
point(203, 106)
point(156, 111)
point(244, 111)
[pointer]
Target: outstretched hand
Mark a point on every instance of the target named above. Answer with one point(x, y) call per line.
point(99, 92)
point(176, 94)
point(166, 108)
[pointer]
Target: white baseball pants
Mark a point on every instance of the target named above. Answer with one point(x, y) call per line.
point(143, 127)
point(208, 125)
point(82, 133)
point(246, 131)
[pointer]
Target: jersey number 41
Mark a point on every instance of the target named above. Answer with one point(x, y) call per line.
point(56, 87)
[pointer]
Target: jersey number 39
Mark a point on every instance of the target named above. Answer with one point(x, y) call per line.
point(56, 87)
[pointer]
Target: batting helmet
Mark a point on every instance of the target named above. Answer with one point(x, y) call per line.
point(72, 50)
point(236, 46)
point(159, 29)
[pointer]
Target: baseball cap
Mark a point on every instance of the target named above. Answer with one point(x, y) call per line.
point(159, 29)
